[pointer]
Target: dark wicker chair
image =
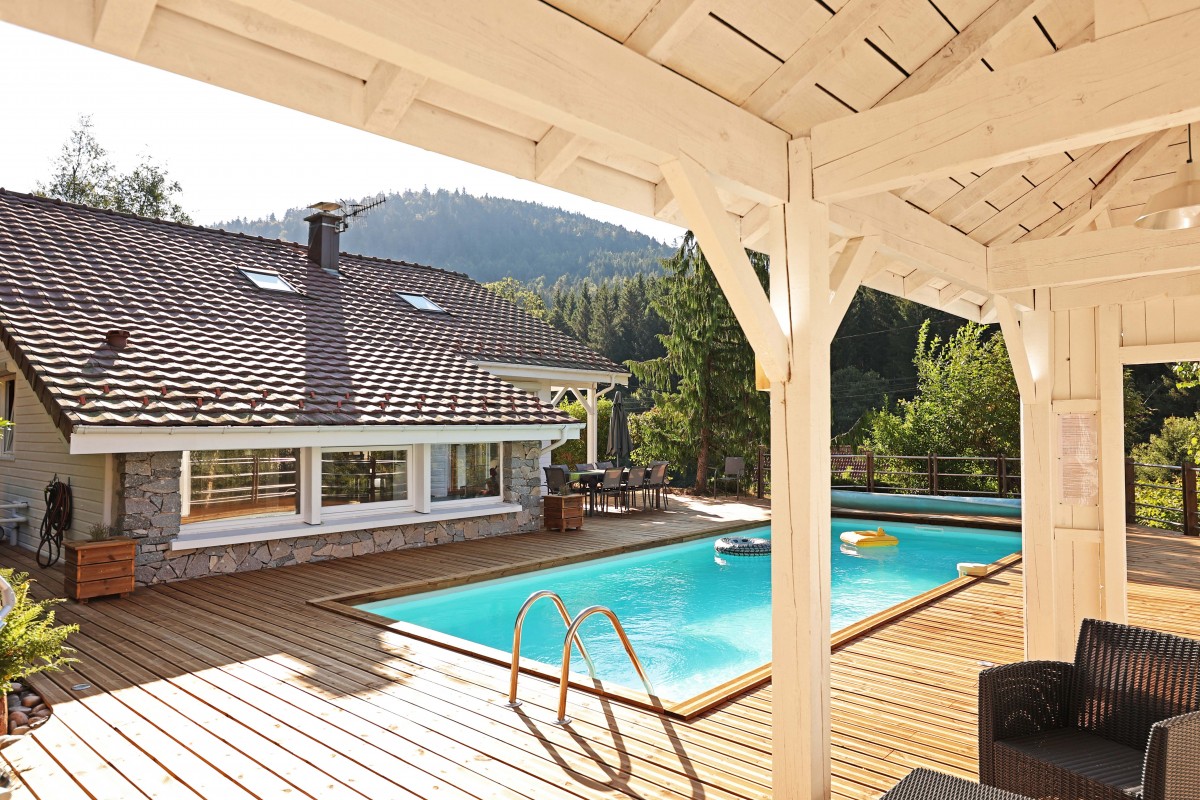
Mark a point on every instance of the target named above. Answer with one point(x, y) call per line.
point(925, 784)
point(1119, 723)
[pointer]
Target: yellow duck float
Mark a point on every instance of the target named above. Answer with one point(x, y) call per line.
point(875, 538)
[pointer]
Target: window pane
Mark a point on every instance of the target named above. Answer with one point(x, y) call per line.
point(268, 280)
point(242, 483)
point(462, 471)
point(363, 476)
point(8, 397)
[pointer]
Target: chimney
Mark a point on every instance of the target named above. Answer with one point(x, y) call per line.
point(324, 228)
point(117, 339)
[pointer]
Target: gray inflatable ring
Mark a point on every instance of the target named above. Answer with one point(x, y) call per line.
point(743, 546)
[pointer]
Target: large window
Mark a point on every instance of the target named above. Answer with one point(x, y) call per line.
point(240, 483)
point(354, 477)
point(8, 403)
point(464, 471)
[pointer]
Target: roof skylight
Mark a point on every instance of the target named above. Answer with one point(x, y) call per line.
point(267, 280)
point(421, 302)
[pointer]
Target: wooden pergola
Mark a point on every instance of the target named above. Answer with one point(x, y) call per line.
point(985, 157)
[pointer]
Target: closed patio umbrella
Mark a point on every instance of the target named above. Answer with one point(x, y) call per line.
point(619, 443)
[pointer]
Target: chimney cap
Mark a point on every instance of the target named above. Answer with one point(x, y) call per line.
point(117, 338)
point(326, 206)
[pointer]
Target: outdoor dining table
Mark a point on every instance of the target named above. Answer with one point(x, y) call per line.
point(591, 480)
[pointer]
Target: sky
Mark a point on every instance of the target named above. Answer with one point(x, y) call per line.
point(235, 156)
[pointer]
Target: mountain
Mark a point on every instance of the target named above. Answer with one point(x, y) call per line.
point(486, 237)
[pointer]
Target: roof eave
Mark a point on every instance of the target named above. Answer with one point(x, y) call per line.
point(90, 439)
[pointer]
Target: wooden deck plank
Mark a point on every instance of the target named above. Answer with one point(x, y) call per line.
point(234, 686)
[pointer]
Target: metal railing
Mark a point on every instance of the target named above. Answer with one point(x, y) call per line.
point(963, 476)
point(1162, 496)
point(572, 632)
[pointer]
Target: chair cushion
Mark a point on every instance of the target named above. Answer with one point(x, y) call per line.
point(1093, 757)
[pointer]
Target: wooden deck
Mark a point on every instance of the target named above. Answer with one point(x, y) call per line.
point(233, 687)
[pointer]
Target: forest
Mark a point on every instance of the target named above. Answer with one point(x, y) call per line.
point(489, 238)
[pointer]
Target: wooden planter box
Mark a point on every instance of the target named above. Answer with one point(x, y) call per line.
point(564, 512)
point(95, 569)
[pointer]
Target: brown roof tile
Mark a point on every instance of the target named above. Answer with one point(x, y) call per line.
point(207, 347)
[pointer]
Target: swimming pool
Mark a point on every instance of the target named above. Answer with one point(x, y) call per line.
point(695, 619)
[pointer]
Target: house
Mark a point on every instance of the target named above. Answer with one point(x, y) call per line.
point(235, 402)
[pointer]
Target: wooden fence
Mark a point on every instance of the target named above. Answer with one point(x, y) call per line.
point(1162, 496)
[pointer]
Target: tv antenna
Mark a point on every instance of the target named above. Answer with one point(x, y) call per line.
point(346, 210)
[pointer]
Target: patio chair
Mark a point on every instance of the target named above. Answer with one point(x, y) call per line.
point(605, 465)
point(656, 482)
point(734, 472)
point(612, 485)
point(556, 478)
point(1121, 722)
point(635, 483)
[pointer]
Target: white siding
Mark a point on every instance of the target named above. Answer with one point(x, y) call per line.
point(39, 453)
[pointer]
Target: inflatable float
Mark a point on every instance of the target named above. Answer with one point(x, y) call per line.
point(875, 538)
point(743, 546)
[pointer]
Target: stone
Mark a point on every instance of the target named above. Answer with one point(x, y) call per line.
point(165, 461)
point(42, 712)
point(277, 550)
point(342, 551)
point(161, 486)
point(172, 504)
point(19, 730)
point(31, 700)
point(363, 547)
point(196, 566)
point(303, 554)
point(139, 505)
point(17, 718)
point(165, 521)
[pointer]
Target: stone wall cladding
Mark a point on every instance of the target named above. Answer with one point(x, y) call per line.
point(149, 495)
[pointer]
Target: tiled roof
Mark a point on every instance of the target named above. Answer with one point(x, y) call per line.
point(207, 347)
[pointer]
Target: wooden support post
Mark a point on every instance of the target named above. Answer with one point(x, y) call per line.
point(1130, 492)
point(1189, 500)
point(932, 465)
point(870, 471)
point(1001, 476)
point(800, 499)
point(1114, 572)
point(760, 489)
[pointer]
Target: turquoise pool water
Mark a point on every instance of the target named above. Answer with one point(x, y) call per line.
point(696, 619)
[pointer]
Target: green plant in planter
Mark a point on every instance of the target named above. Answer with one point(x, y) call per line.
point(30, 640)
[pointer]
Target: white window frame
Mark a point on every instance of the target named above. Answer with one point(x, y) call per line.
point(8, 409)
point(471, 501)
point(363, 508)
point(185, 500)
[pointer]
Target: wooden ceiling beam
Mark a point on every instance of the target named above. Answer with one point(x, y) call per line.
point(973, 44)
point(666, 25)
point(543, 63)
point(120, 25)
point(910, 235)
point(1135, 82)
point(1130, 290)
point(389, 94)
point(802, 70)
point(1092, 257)
point(554, 153)
point(697, 197)
point(850, 268)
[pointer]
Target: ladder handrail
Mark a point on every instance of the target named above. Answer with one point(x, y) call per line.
point(572, 632)
point(519, 624)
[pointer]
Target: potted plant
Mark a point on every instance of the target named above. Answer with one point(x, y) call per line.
point(30, 642)
point(101, 565)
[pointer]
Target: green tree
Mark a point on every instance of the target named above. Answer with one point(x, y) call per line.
point(526, 297)
point(30, 639)
point(967, 402)
point(703, 387)
point(575, 451)
point(1176, 442)
point(853, 393)
point(84, 174)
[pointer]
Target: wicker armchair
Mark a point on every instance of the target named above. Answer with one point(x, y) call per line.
point(1119, 723)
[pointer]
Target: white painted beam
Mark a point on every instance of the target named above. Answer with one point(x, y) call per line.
point(1092, 257)
point(912, 236)
point(847, 275)
point(1114, 16)
point(667, 24)
point(389, 94)
point(722, 246)
point(974, 43)
point(1114, 577)
point(530, 57)
point(1130, 290)
point(1119, 177)
point(1014, 340)
point(1135, 82)
point(120, 25)
point(800, 505)
point(554, 154)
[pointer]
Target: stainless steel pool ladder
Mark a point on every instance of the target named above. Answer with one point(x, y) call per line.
point(572, 633)
point(513, 702)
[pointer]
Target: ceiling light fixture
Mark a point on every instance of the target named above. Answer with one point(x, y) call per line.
point(1178, 206)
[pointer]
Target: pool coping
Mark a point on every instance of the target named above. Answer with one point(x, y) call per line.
point(687, 709)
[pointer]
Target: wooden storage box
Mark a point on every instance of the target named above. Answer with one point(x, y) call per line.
point(563, 512)
point(95, 569)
